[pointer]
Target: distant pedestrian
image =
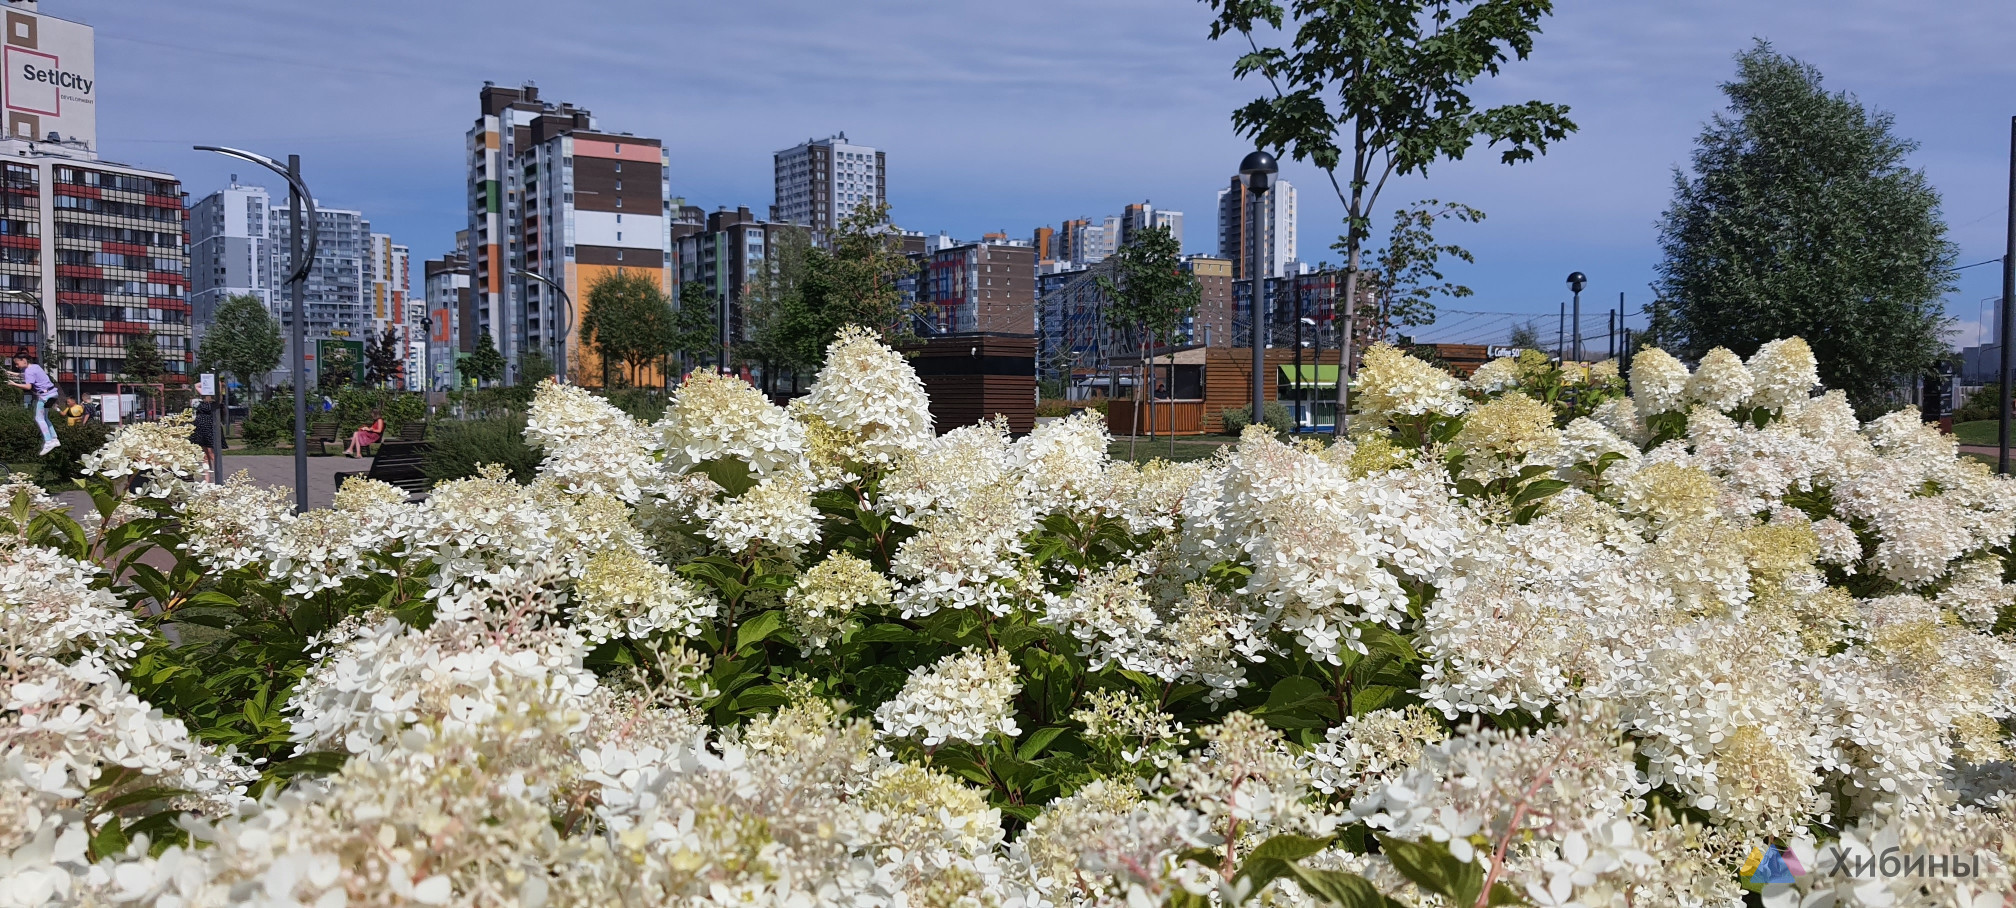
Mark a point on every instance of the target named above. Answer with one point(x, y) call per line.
point(35, 380)
point(73, 413)
point(205, 435)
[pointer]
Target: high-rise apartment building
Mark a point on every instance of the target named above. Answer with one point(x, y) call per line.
point(821, 181)
point(1211, 326)
point(229, 250)
point(333, 297)
point(388, 290)
point(552, 194)
point(100, 248)
point(725, 251)
point(448, 301)
point(239, 244)
point(1242, 224)
point(1138, 217)
point(980, 287)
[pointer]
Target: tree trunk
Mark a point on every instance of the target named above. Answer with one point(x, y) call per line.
point(1347, 343)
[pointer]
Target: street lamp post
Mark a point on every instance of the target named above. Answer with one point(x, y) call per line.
point(1575, 284)
point(304, 260)
point(1258, 170)
point(566, 322)
point(427, 357)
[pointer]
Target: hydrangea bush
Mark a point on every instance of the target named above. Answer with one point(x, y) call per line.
point(1527, 639)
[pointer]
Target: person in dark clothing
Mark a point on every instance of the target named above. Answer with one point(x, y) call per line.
point(205, 435)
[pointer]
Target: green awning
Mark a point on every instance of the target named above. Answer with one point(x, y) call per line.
point(1309, 377)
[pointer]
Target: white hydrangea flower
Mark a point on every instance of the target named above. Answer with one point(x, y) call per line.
point(589, 444)
point(966, 696)
point(716, 417)
point(1782, 372)
point(872, 393)
point(1658, 382)
point(1720, 382)
point(1391, 384)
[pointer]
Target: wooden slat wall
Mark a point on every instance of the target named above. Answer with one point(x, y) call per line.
point(1188, 416)
point(968, 399)
point(1228, 380)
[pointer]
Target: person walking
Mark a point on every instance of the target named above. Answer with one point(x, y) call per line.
point(35, 380)
point(205, 434)
point(73, 412)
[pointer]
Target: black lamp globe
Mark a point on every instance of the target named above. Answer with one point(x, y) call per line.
point(1258, 171)
point(1576, 281)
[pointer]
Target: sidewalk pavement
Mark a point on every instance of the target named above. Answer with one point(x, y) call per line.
point(268, 470)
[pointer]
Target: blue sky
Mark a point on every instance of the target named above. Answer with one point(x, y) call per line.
point(1007, 116)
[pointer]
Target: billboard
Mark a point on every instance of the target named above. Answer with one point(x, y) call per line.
point(51, 80)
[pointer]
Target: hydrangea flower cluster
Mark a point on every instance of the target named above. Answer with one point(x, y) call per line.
point(1592, 649)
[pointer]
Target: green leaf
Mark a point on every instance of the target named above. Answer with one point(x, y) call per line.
point(108, 840)
point(142, 796)
point(1430, 865)
point(758, 629)
point(1037, 742)
point(885, 633)
point(1346, 890)
point(1537, 490)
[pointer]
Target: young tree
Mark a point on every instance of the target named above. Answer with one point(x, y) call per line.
point(339, 368)
point(1380, 88)
point(696, 326)
point(1151, 294)
point(143, 359)
point(243, 341)
point(533, 368)
point(484, 364)
point(1801, 217)
point(857, 283)
point(1409, 275)
point(628, 321)
point(383, 360)
point(1525, 336)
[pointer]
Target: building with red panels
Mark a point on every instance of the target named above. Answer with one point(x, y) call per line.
point(981, 287)
point(95, 254)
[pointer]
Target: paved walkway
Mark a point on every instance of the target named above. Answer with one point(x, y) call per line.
point(270, 470)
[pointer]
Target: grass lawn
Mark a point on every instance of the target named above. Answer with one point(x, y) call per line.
point(1188, 447)
point(1978, 432)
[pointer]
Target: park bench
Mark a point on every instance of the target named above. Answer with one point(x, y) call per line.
point(412, 431)
point(320, 433)
point(397, 464)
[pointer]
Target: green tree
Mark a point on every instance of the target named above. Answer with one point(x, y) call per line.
point(1800, 217)
point(1150, 294)
point(1380, 88)
point(1409, 276)
point(243, 341)
point(857, 282)
point(628, 321)
point(339, 368)
point(1525, 336)
point(533, 368)
point(383, 358)
point(484, 364)
point(696, 326)
point(143, 359)
point(775, 317)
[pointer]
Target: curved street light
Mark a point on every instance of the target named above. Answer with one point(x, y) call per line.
point(304, 261)
point(566, 322)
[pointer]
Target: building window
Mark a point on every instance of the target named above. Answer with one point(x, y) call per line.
point(619, 203)
point(619, 255)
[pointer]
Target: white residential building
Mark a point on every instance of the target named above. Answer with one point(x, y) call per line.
point(821, 181)
point(1240, 226)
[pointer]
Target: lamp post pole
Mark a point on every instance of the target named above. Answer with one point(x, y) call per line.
point(427, 357)
point(565, 323)
point(1258, 171)
point(1575, 283)
point(303, 260)
point(2007, 328)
